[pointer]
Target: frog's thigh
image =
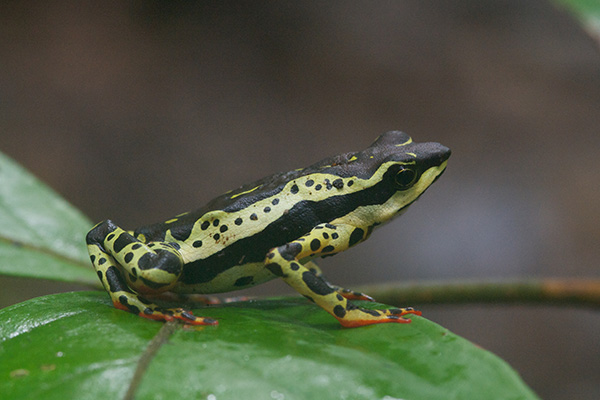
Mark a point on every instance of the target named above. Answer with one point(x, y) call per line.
point(112, 278)
point(117, 256)
point(148, 268)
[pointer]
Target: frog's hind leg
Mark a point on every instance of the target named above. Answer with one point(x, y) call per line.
point(126, 266)
point(347, 293)
point(327, 239)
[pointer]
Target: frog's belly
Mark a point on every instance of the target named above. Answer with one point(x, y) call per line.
point(234, 278)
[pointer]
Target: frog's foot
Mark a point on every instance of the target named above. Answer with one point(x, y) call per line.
point(146, 309)
point(357, 316)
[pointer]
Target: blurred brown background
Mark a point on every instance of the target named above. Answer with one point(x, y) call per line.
point(138, 111)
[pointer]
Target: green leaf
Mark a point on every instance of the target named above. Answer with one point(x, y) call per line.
point(75, 345)
point(41, 235)
point(588, 13)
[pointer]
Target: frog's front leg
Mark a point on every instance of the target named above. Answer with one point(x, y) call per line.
point(127, 266)
point(347, 293)
point(326, 239)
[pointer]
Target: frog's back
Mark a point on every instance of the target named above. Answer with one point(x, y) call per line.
point(251, 194)
point(231, 203)
point(256, 201)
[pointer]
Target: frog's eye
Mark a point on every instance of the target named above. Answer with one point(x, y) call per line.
point(405, 177)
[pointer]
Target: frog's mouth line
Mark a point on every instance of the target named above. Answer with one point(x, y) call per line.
point(438, 177)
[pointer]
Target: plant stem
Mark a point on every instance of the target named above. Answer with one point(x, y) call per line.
point(564, 292)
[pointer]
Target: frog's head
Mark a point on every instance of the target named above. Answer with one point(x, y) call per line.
point(402, 169)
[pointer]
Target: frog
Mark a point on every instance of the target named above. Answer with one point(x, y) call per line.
point(272, 228)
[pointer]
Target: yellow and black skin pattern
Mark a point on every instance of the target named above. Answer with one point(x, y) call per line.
point(268, 229)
